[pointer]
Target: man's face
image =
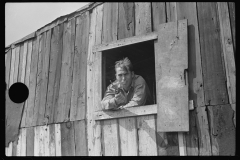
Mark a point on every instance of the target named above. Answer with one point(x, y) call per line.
point(124, 77)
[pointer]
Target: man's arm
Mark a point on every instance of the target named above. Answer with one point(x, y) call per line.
point(108, 101)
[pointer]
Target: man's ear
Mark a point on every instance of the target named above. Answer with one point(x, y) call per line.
point(132, 74)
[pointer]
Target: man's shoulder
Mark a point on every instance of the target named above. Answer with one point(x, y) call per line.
point(139, 79)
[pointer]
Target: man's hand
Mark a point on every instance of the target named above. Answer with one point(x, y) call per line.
point(120, 98)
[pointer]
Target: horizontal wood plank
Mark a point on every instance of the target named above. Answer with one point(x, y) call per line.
point(125, 42)
point(128, 112)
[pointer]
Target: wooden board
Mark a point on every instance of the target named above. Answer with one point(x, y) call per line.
point(14, 148)
point(204, 143)
point(228, 54)
point(20, 62)
point(142, 18)
point(23, 142)
point(126, 20)
point(231, 8)
point(128, 112)
point(109, 33)
point(57, 70)
point(188, 11)
point(58, 139)
point(67, 139)
point(64, 100)
point(78, 100)
point(143, 25)
point(16, 64)
point(147, 136)
point(94, 128)
point(222, 130)
point(22, 79)
point(54, 73)
point(39, 78)
point(12, 67)
point(30, 142)
point(128, 136)
point(172, 87)
point(8, 151)
point(19, 144)
point(8, 67)
point(158, 14)
point(80, 138)
point(27, 78)
point(32, 83)
point(44, 78)
point(215, 89)
point(171, 11)
point(36, 140)
point(52, 145)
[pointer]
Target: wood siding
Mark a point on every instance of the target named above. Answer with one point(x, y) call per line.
point(62, 74)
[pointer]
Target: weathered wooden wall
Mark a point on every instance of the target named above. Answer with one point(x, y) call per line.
point(59, 68)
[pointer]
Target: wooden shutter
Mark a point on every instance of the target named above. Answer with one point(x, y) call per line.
point(171, 62)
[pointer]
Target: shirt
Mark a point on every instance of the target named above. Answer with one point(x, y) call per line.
point(137, 95)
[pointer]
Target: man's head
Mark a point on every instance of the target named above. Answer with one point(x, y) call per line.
point(124, 73)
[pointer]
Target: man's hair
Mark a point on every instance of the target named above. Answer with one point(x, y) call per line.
point(125, 63)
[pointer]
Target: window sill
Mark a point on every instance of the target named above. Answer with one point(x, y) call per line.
point(128, 112)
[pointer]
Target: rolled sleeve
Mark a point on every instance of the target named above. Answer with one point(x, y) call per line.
point(108, 101)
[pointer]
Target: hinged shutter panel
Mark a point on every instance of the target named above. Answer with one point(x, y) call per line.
point(171, 62)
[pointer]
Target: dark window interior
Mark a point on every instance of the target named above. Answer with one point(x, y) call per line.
point(142, 57)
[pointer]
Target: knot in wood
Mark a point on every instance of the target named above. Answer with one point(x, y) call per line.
point(68, 125)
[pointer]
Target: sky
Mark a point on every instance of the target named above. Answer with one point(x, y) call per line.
point(21, 19)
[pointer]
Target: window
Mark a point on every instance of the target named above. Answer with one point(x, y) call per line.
point(143, 61)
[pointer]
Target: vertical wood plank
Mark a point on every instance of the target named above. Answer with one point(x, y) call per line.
point(9, 149)
point(30, 142)
point(46, 140)
point(158, 14)
point(14, 148)
point(127, 126)
point(147, 136)
point(213, 74)
point(19, 143)
point(41, 141)
point(110, 127)
point(53, 76)
point(228, 54)
point(64, 100)
point(171, 11)
point(94, 128)
point(188, 11)
point(80, 138)
point(143, 23)
point(23, 142)
point(231, 6)
point(8, 67)
point(67, 139)
point(22, 79)
point(57, 63)
point(203, 132)
point(126, 20)
point(52, 145)
point(128, 136)
point(21, 52)
point(32, 83)
point(58, 139)
point(83, 48)
point(222, 130)
point(16, 64)
point(39, 78)
point(27, 78)
point(12, 67)
point(36, 140)
point(44, 78)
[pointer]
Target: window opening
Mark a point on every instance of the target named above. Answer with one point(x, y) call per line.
point(143, 60)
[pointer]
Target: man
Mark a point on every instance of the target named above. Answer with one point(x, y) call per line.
point(128, 90)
